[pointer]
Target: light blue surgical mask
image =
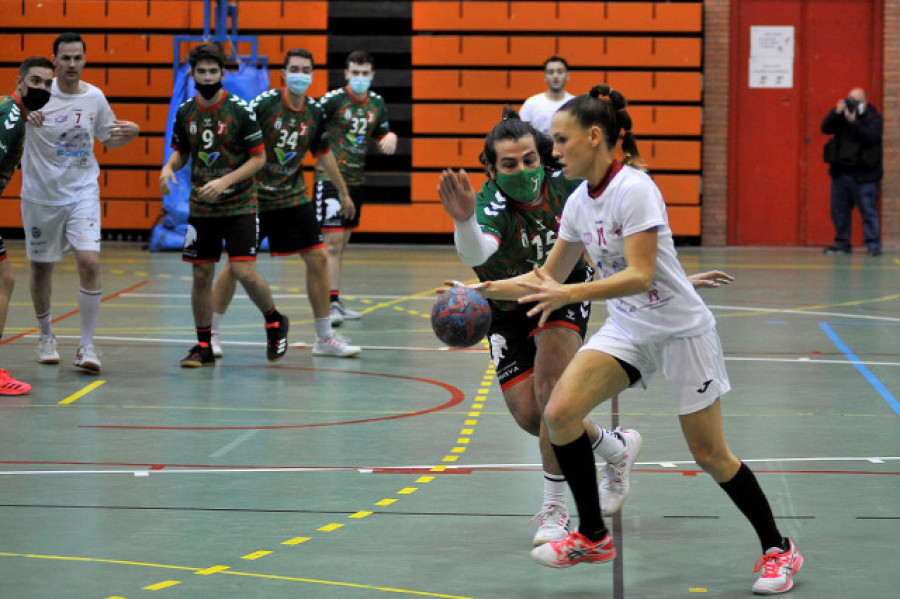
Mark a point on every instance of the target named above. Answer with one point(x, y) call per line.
point(359, 85)
point(299, 82)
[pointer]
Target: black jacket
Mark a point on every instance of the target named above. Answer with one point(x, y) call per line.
point(856, 147)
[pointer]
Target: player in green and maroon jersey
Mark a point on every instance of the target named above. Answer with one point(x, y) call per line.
point(292, 124)
point(505, 230)
point(32, 92)
point(354, 114)
point(218, 132)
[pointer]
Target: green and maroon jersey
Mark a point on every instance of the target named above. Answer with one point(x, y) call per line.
point(288, 134)
point(12, 137)
point(525, 233)
point(350, 123)
point(219, 139)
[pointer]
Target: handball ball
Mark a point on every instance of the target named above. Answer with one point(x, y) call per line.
point(460, 317)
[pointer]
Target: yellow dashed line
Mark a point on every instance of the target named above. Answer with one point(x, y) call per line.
point(698, 590)
point(462, 440)
point(212, 570)
point(438, 468)
point(385, 502)
point(407, 490)
point(161, 585)
point(330, 527)
point(296, 540)
point(424, 479)
point(471, 422)
point(474, 414)
point(360, 514)
point(450, 458)
point(256, 555)
point(466, 431)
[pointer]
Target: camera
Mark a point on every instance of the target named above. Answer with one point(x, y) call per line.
point(852, 104)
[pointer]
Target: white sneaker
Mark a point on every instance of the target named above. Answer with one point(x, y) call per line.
point(778, 568)
point(553, 525)
point(335, 346)
point(216, 345)
point(87, 358)
point(47, 353)
point(616, 475)
point(346, 313)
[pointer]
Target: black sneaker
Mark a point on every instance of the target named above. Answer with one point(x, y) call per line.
point(198, 356)
point(277, 333)
point(874, 251)
point(833, 249)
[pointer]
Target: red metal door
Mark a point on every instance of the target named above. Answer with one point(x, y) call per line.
point(778, 191)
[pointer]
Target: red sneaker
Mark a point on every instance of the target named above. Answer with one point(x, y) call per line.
point(10, 386)
point(574, 548)
point(778, 570)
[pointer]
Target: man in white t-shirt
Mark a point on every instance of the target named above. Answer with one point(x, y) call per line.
point(538, 110)
point(61, 196)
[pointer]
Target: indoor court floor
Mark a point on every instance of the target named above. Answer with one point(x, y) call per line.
point(399, 473)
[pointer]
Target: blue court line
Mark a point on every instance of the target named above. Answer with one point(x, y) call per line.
point(873, 380)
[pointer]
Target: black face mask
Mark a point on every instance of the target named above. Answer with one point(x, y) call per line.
point(36, 98)
point(208, 90)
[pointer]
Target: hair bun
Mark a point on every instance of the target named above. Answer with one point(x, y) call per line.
point(599, 90)
point(509, 113)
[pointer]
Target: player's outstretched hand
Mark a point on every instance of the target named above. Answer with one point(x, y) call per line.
point(546, 294)
point(457, 194)
point(712, 278)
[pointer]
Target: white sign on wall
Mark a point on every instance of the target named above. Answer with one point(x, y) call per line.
point(771, 56)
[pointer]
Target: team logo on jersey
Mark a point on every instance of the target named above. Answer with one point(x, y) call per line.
point(278, 123)
point(221, 127)
point(62, 118)
point(190, 236)
point(35, 232)
point(348, 114)
point(208, 159)
point(193, 128)
point(587, 238)
point(282, 156)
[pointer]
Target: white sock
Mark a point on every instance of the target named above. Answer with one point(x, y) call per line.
point(216, 322)
point(44, 324)
point(556, 491)
point(89, 307)
point(323, 327)
point(609, 445)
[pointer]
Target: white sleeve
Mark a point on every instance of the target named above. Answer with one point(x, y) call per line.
point(103, 119)
point(473, 245)
point(525, 113)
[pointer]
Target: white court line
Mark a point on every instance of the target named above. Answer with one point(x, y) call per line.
point(371, 469)
point(801, 312)
point(245, 436)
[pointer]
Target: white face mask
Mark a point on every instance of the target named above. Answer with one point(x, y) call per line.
point(299, 82)
point(359, 85)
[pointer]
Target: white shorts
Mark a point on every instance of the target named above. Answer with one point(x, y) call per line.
point(694, 367)
point(53, 230)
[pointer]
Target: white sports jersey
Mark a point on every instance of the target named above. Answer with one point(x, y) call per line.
point(538, 110)
point(58, 163)
point(631, 203)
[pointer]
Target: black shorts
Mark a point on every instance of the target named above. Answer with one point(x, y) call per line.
point(512, 333)
point(328, 204)
point(204, 237)
point(291, 230)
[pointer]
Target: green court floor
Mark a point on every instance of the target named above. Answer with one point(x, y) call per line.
point(399, 473)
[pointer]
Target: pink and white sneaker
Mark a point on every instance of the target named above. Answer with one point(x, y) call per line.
point(573, 549)
point(553, 525)
point(778, 568)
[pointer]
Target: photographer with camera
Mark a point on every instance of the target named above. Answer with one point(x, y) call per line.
point(854, 156)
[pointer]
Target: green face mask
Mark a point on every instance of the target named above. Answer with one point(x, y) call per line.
point(522, 186)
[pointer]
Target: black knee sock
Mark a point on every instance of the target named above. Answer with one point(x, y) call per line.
point(204, 336)
point(745, 492)
point(272, 316)
point(577, 463)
